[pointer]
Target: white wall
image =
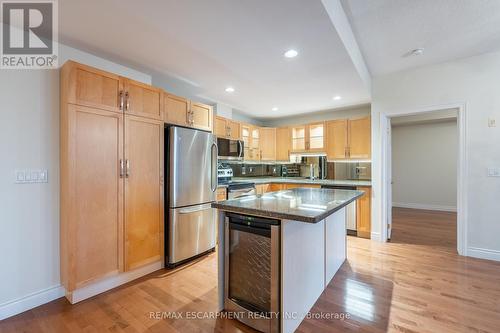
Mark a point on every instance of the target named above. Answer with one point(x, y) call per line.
point(475, 82)
point(29, 213)
point(424, 165)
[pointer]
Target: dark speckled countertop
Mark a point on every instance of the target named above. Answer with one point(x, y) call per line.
point(300, 204)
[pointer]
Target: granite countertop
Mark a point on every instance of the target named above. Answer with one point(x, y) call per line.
point(301, 180)
point(300, 204)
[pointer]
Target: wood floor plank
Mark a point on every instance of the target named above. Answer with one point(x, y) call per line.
point(414, 284)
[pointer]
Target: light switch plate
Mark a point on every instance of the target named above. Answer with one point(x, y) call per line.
point(28, 176)
point(492, 122)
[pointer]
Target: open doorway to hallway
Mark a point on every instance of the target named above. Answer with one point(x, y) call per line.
point(424, 163)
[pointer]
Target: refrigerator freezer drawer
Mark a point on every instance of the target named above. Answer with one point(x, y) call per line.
point(191, 232)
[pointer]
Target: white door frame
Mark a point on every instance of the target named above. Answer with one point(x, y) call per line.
point(385, 121)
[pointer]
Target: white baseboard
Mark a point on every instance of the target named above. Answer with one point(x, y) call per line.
point(480, 253)
point(425, 206)
point(111, 282)
point(30, 301)
point(375, 236)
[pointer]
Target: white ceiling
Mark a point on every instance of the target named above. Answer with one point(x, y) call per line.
point(447, 29)
point(219, 43)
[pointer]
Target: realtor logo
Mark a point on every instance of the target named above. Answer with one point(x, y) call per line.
point(29, 34)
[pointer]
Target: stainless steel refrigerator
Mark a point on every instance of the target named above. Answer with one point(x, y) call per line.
point(191, 162)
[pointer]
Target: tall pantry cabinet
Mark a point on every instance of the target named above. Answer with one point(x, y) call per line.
point(111, 161)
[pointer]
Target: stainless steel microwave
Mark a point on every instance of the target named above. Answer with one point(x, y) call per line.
point(230, 149)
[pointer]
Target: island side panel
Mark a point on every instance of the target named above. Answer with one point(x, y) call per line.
point(335, 243)
point(302, 268)
point(220, 248)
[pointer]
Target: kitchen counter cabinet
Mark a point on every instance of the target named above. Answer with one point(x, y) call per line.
point(312, 237)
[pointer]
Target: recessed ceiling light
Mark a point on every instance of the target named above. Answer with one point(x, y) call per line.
point(417, 52)
point(229, 89)
point(291, 54)
point(337, 98)
point(414, 52)
point(275, 109)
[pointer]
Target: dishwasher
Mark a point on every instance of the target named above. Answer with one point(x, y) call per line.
point(351, 224)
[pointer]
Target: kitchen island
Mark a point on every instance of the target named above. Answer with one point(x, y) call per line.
point(278, 252)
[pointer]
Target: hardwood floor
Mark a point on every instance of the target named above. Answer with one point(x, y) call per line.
point(415, 283)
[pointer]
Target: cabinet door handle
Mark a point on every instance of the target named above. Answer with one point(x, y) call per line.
point(127, 104)
point(121, 100)
point(188, 120)
point(122, 168)
point(127, 172)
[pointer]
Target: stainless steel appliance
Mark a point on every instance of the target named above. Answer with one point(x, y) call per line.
point(252, 271)
point(352, 170)
point(240, 189)
point(314, 167)
point(191, 163)
point(351, 224)
point(230, 149)
point(224, 174)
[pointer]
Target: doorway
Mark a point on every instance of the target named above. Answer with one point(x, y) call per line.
point(424, 158)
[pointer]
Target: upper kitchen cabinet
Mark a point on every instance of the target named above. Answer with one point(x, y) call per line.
point(337, 139)
point(201, 116)
point(87, 86)
point(308, 138)
point(181, 111)
point(255, 144)
point(360, 138)
point(142, 100)
point(176, 110)
point(283, 144)
point(316, 137)
point(250, 135)
point(227, 128)
point(349, 139)
point(298, 138)
point(267, 143)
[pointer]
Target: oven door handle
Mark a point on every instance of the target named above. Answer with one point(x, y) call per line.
point(245, 190)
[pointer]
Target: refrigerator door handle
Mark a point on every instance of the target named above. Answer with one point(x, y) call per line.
point(195, 209)
point(214, 167)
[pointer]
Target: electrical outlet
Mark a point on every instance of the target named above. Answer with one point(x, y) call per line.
point(492, 122)
point(493, 172)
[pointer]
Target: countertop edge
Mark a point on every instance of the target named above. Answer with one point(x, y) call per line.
point(283, 216)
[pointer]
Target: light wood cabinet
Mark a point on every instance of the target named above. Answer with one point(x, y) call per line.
point(283, 144)
point(201, 116)
point(363, 213)
point(111, 176)
point(221, 194)
point(176, 110)
point(298, 138)
point(181, 111)
point(91, 194)
point(262, 188)
point(250, 135)
point(308, 138)
point(267, 143)
point(87, 86)
point(337, 145)
point(227, 128)
point(142, 100)
point(349, 139)
point(143, 191)
point(360, 138)
point(276, 187)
